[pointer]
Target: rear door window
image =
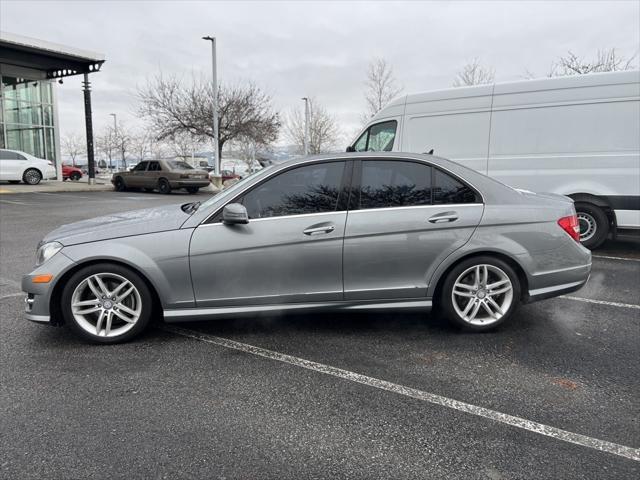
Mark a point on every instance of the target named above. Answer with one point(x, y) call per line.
point(447, 189)
point(386, 184)
point(154, 167)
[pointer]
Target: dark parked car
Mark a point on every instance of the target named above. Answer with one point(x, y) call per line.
point(161, 175)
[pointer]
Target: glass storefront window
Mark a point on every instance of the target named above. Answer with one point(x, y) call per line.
point(26, 117)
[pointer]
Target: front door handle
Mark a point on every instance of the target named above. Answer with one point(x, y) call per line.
point(444, 217)
point(319, 230)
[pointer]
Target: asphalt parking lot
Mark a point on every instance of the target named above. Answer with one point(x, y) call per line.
point(554, 394)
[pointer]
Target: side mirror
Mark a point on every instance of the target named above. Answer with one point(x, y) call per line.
point(234, 214)
point(351, 148)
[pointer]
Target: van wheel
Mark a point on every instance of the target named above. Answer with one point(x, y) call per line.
point(594, 225)
point(32, 176)
point(480, 293)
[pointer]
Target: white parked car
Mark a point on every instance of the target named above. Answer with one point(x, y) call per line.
point(17, 166)
point(576, 136)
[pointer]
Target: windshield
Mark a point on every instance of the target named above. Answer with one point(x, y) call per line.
point(180, 165)
point(234, 188)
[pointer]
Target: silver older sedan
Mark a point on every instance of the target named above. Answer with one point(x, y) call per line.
point(373, 231)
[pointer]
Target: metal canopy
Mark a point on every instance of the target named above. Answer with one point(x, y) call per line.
point(56, 61)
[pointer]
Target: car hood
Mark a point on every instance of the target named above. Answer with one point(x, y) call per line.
point(136, 222)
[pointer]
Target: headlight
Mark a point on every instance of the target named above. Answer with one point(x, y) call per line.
point(46, 251)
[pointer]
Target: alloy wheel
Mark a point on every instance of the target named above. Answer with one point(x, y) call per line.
point(106, 305)
point(32, 177)
point(482, 294)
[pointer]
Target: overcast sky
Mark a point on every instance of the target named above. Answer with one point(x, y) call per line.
point(319, 49)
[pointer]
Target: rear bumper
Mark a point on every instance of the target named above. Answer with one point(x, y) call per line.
point(560, 282)
point(189, 183)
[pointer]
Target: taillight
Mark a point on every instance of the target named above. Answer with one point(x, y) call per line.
point(571, 226)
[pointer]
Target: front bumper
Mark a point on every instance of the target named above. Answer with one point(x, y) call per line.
point(39, 295)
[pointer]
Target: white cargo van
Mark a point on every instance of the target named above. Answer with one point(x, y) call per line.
point(577, 136)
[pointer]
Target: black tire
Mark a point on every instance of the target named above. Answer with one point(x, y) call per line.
point(594, 225)
point(32, 176)
point(149, 190)
point(446, 297)
point(135, 279)
point(75, 176)
point(120, 185)
point(192, 190)
point(164, 186)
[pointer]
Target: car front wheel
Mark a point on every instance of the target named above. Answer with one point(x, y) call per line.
point(480, 293)
point(106, 303)
point(75, 176)
point(120, 185)
point(32, 177)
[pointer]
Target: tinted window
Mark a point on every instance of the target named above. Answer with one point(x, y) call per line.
point(447, 189)
point(309, 189)
point(377, 138)
point(140, 167)
point(154, 167)
point(394, 184)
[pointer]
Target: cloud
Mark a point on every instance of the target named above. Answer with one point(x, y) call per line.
point(318, 49)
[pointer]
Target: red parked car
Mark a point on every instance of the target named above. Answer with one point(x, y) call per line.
point(70, 172)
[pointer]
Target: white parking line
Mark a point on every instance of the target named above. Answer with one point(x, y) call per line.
point(607, 257)
point(14, 202)
point(601, 302)
point(557, 433)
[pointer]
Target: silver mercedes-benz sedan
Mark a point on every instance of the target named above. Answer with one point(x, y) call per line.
point(349, 231)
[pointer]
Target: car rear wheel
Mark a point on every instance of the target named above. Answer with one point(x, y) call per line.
point(75, 176)
point(164, 186)
point(106, 303)
point(192, 190)
point(32, 176)
point(480, 293)
point(594, 225)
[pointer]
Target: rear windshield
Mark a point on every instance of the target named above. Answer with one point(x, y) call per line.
point(180, 165)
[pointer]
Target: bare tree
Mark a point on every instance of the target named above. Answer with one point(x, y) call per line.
point(74, 145)
point(381, 86)
point(324, 132)
point(174, 107)
point(246, 149)
point(107, 145)
point(184, 145)
point(122, 139)
point(141, 144)
point(474, 73)
point(605, 61)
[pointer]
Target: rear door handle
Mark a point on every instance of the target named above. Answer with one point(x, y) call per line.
point(319, 230)
point(444, 217)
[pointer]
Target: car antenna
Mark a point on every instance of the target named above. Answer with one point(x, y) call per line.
point(430, 152)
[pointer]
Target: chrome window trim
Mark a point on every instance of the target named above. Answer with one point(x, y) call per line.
point(300, 215)
point(391, 157)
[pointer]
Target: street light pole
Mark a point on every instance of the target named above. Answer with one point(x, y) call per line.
point(121, 146)
point(306, 125)
point(217, 164)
